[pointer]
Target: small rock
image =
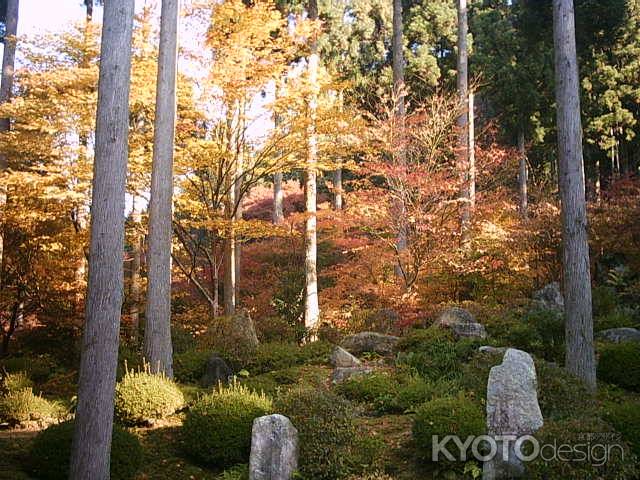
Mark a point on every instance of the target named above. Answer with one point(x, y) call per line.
point(216, 371)
point(341, 374)
point(549, 297)
point(512, 409)
point(488, 349)
point(619, 335)
point(340, 358)
point(370, 342)
point(462, 322)
point(274, 448)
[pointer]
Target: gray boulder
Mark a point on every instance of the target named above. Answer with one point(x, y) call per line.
point(382, 320)
point(512, 409)
point(549, 297)
point(461, 322)
point(341, 374)
point(274, 448)
point(370, 342)
point(216, 371)
point(619, 335)
point(340, 358)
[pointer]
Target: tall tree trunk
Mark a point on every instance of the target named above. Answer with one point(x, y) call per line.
point(312, 307)
point(134, 286)
point(97, 377)
point(337, 189)
point(89, 5)
point(239, 173)
point(278, 199)
point(398, 97)
point(472, 151)
point(523, 175)
point(463, 120)
point(580, 357)
point(6, 85)
point(157, 335)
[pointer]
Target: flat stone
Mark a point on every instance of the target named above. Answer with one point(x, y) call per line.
point(340, 358)
point(462, 322)
point(341, 374)
point(549, 297)
point(370, 342)
point(274, 448)
point(619, 335)
point(488, 349)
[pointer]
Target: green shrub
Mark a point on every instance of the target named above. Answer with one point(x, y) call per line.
point(617, 318)
point(326, 431)
point(369, 388)
point(475, 373)
point(574, 431)
point(14, 382)
point(189, 367)
point(182, 340)
point(271, 382)
point(414, 391)
point(625, 418)
point(23, 406)
point(49, 455)
point(431, 353)
point(217, 429)
point(461, 415)
point(560, 394)
point(619, 364)
point(281, 355)
point(540, 333)
point(129, 358)
point(38, 368)
point(238, 472)
point(142, 397)
point(604, 299)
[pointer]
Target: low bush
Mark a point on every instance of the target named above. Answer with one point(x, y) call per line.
point(617, 318)
point(619, 364)
point(625, 418)
point(217, 428)
point(13, 382)
point(23, 406)
point(182, 340)
point(326, 431)
point(49, 455)
point(604, 299)
point(431, 353)
point(540, 333)
point(560, 394)
point(272, 382)
point(461, 415)
point(608, 456)
point(190, 366)
point(237, 472)
point(142, 397)
point(39, 368)
point(281, 355)
point(369, 388)
point(475, 373)
point(414, 391)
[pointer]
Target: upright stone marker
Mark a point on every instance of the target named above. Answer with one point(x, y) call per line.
point(274, 449)
point(512, 409)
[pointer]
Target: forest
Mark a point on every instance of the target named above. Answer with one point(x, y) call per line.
point(320, 240)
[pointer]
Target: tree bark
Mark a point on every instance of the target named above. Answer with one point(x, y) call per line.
point(472, 152)
point(580, 357)
point(94, 416)
point(337, 189)
point(157, 335)
point(312, 307)
point(134, 286)
point(523, 175)
point(89, 5)
point(278, 199)
point(398, 97)
point(6, 86)
point(463, 123)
